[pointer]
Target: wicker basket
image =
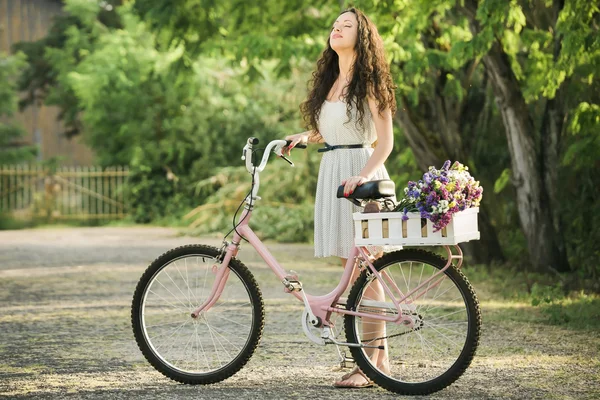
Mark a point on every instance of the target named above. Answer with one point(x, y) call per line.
point(388, 228)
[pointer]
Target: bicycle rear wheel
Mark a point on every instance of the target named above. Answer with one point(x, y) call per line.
point(213, 346)
point(438, 348)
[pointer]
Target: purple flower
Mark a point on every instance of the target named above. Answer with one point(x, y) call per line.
point(425, 195)
point(427, 177)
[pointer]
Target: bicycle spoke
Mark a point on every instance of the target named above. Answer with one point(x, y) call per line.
point(163, 324)
point(202, 348)
point(204, 284)
point(178, 288)
point(445, 337)
point(438, 282)
point(230, 320)
point(216, 331)
point(174, 331)
point(214, 335)
point(436, 295)
point(442, 316)
point(187, 307)
point(405, 282)
point(186, 280)
point(184, 349)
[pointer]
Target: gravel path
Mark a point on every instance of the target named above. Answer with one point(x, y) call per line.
point(65, 330)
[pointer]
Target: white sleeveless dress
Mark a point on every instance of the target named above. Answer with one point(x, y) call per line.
point(334, 226)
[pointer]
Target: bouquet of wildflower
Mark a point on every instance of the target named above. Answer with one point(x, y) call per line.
point(440, 194)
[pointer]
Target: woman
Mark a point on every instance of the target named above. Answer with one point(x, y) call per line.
point(351, 103)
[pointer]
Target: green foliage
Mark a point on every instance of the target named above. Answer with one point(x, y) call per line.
point(172, 126)
point(577, 310)
point(8, 222)
point(581, 183)
point(572, 309)
point(10, 150)
point(240, 29)
point(584, 124)
point(71, 37)
point(285, 212)
point(173, 88)
point(546, 294)
point(502, 181)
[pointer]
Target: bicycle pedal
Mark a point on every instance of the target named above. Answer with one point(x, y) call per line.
point(291, 284)
point(347, 362)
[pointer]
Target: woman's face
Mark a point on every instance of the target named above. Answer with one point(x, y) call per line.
point(344, 32)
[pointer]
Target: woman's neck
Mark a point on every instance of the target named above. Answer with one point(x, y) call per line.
point(345, 62)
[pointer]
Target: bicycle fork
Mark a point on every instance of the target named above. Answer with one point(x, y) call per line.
point(228, 250)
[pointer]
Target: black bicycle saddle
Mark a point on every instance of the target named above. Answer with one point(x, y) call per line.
point(371, 190)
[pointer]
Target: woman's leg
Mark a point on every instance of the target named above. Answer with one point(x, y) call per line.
point(372, 329)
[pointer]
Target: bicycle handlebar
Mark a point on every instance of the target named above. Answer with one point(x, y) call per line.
point(275, 146)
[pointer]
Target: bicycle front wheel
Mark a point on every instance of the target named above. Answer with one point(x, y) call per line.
point(433, 351)
point(201, 350)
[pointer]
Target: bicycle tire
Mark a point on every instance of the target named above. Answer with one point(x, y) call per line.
point(400, 377)
point(143, 309)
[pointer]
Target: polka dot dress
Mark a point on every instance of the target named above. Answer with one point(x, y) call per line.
point(334, 227)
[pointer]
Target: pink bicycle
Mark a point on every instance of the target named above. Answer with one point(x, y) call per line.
point(198, 313)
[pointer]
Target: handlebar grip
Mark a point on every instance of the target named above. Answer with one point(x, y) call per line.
point(253, 141)
point(298, 146)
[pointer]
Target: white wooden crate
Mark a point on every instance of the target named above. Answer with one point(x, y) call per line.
point(388, 228)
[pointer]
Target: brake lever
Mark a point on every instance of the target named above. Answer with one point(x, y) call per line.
point(287, 159)
point(279, 152)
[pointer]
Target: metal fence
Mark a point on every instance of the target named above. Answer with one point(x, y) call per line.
point(64, 193)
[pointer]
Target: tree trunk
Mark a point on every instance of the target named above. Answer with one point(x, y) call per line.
point(416, 137)
point(533, 201)
point(550, 133)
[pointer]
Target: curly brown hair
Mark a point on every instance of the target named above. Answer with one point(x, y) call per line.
point(370, 76)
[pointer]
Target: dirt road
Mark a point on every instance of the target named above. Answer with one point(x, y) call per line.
point(65, 329)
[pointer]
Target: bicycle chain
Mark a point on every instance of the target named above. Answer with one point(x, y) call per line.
point(397, 334)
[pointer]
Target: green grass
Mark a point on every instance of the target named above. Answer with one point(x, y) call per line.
point(535, 297)
point(577, 311)
point(8, 222)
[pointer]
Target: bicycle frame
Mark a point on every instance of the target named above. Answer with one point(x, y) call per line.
point(322, 306)
point(319, 308)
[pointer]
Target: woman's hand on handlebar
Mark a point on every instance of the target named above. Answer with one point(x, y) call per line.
point(301, 138)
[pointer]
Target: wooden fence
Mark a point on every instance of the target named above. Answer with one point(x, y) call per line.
point(66, 193)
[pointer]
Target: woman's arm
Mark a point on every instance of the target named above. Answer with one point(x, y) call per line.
point(313, 137)
point(385, 144)
point(385, 139)
point(304, 137)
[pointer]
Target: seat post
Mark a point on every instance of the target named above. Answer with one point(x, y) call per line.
point(354, 201)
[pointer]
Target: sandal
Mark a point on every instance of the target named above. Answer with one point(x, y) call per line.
point(352, 385)
point(349, 374)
